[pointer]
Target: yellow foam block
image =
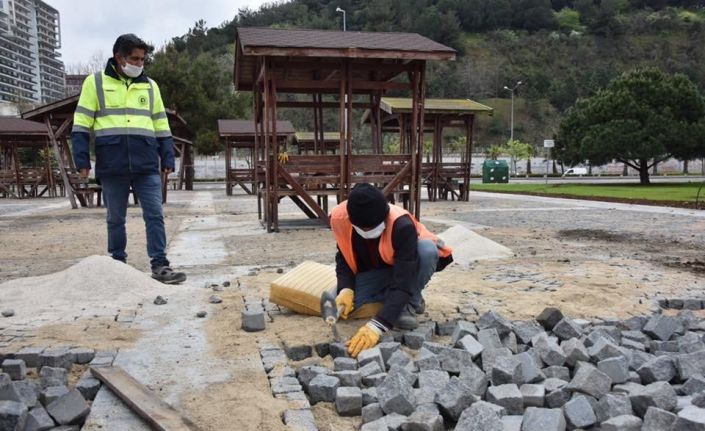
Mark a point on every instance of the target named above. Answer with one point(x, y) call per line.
point(300, 289)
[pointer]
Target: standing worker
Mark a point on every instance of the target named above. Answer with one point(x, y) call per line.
point(384, 256)
point(124, 109)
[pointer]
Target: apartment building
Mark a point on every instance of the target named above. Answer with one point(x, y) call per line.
point(31, 70)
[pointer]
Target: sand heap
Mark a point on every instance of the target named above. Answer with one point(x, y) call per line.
point(96, 281)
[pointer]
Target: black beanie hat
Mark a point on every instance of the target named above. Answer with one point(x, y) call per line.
point(367, 206)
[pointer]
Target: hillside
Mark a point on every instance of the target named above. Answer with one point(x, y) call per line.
point(561, 50)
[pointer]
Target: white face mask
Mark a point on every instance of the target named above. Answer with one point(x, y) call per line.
point(370, 234)
point(131, 70)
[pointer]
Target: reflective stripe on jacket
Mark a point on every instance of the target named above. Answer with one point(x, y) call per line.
point(129, 122)
point(343, 229)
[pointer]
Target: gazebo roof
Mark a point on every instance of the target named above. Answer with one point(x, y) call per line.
point(321, 47)
point(394, 105)
point(246, 128)
point(22, 132)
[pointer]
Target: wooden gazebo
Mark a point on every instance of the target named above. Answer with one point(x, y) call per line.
point(441, 178)
point(16, 180)
point(336, 69)
point(239, 139)
point(57, 118)
point(312, 143)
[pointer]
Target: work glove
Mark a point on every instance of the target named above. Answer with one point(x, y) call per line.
point(345, 299)
point(283, 157)
point(366, 338)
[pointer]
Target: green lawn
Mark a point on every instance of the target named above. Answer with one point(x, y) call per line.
point(683, 192)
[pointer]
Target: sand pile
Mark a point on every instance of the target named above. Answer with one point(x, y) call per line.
point(96, 281)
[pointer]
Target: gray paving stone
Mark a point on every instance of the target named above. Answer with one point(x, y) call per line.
point(508, 396)
point(349, 378)
point(699, 400)
point(479, 417)
point(371, 412)
point(622, 423)
point(659, 369)
point(52, 393)
point(578, 413)
point(82, 355)
point(512, 422)
point(88, 387)
point(638, 359)
point(454, 398)
point(690, 419)
point(371, 355)
point(557, 398)
point(401, 359)
point(396, 395)
point(612, 405)
point(38, 420)
point(549, 317)
point(15, 368)
point(510, 342)
point(369, 396)
point(389, 422)
point(13, 415)
point(506, 369)
point(433, 378)
point(423, 421)
point(436, 348)
point(323, 388)
point(28, 391)
point(461, 329)
point(470, 344)
point(283, 385)
point(538, 419)
point(348, 401)
point(549, 351)
point(557, 372)
point(374, 379)
point(525, 331)
point(574, 351)
point(589, 380)
point(298, 352)
point(491, 356)
point(489, 338)
point(443, 329)
point(415, 339)
point(492, 319)
point(453, 360)
point(59, 357)
point(616, 368)
point(474, 379)
point(427, 360)
point(388, 348)
point(369, 369)
point(404, 372)
point(308, 372)
point(659, 394)
point(657, 419)
point(431, 408)
point(690, 365)
point(566, 329)
point(344, 364)
point(530, 370)
point(30, 356)
point(296, 400)
point(552, 384)
point(337, 350)
point(252, 320)
point(662, 327)
point(69, 409)
point(300, 420)
point(53, 376)
point(533, 395)
point(634, 377)
point(604, 349)
point(8, 391)
point(322, 349)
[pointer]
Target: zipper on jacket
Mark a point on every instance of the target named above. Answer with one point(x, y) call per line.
point(127, 136)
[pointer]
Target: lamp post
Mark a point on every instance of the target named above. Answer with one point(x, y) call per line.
point(339, 10)
point(511, 127)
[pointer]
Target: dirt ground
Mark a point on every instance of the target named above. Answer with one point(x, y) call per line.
point(590, 262)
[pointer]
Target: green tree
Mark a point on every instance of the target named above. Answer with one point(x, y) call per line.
point(517, 150)
point(642, 118)
point(494, 151)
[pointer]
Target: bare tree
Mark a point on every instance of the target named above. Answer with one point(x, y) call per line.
point(95, 63)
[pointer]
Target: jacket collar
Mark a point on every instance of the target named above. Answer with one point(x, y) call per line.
point(111, 71)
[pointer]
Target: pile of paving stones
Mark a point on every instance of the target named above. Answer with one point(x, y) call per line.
point(551, 374)
point(47, 402)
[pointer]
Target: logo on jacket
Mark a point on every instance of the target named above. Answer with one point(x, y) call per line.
point(143, 100)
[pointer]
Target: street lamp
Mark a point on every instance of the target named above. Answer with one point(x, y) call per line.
point(339, 10)
point(513, 89)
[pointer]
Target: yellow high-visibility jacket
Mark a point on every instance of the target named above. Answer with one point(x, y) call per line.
point(130, 124)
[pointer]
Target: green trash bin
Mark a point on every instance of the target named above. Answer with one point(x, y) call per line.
point(495, 171)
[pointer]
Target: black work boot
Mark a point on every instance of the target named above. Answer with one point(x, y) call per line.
point(167, 276)
point(421, 308)
point(407, 319)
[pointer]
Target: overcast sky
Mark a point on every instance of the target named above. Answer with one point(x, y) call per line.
point(90, 26)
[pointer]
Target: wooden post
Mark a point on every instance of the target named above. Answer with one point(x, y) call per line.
point(57, 154)
point(421, 103)
point(228, 152)
point(267, 150)
point(470, 125)
point(275, 155)
point(341, 126)
point(348, 145)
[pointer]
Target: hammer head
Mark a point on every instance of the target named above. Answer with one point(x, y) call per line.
point(329, 312)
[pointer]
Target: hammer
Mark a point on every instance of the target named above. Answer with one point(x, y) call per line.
point(330, 313)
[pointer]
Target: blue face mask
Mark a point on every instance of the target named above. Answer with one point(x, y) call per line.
point(372, 233)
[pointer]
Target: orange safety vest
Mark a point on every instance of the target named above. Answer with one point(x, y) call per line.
point(342, 230)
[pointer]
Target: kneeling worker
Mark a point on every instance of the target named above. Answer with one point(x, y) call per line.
point(384, 256)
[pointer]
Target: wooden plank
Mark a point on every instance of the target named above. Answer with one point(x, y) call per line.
point(349, 53)
point(62, 167)
point(160, 415)
point(302, 193)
